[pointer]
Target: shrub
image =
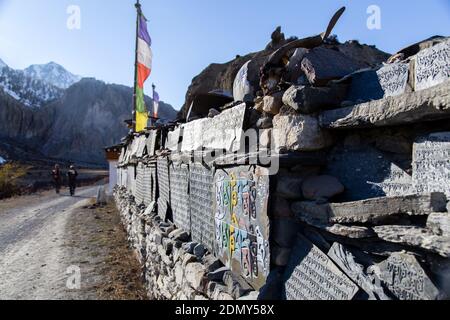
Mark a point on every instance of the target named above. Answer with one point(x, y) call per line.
point(9, 174)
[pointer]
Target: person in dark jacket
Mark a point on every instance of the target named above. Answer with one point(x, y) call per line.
point(72, 174)
point(56, 175)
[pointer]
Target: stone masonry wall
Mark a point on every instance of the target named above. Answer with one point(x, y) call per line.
point(342, 194)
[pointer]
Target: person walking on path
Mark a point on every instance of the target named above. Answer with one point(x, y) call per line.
point(56, 175)
point(72, 174)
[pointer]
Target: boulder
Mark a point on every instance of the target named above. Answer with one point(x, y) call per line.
point(308, 100)
point(299, 133)
point(322, 65)
point(273, 103)
point(284, 232)
point(322, 187)
point(237, 287)
point(179, 235)
point(264, 123)
point(195, 276)
point(199, 251)
point(281, 208)
point(217, 275)
point(439, 223)
point(280, 256)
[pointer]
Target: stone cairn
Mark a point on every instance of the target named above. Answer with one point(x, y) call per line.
point(356, 210)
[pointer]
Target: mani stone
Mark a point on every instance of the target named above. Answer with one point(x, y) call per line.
point(322, 65)
point(415, 237)
point(373, 211)
point(402, 274)
point(388, 81)
point(432, 66)
point(426, 105)
point(439, 223)
point(321, 187)
point(307, 100)
point(353, 264)
point(299, 133)
point(311, 275)
point(431, 163)
point(366, 173)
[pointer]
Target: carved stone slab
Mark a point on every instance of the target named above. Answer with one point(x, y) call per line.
point(367, 173)
point(411, 107)
point(225, 130)
point(151, 142)
point(431, 163)
point(388, 81)
point(311, 275)
point(406, 279)
point(201, 205)
point(242, 222)
point(173, 138)
point(179, 196)
point(432, 66)
point(415, 237)
point(355, 269)
point(164, 187)
point(140, 192)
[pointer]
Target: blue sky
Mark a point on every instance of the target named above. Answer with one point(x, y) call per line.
point(189, 35)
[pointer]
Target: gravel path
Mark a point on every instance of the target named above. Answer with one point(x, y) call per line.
point(34, 258)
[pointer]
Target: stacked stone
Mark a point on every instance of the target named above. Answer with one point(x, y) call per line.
point(176, 268)
point(367, 216)
point(358, 209)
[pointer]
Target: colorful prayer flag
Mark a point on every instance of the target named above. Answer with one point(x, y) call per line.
point(144, 69)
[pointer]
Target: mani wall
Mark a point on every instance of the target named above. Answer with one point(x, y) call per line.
point(339, 192)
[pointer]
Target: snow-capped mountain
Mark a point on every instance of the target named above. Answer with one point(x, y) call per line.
point(52, 73)
point(37, 85)
point(29, 91)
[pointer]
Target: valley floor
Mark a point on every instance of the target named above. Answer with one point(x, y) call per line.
point(50, 243)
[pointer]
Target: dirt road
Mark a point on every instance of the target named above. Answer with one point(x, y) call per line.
point(57, 247)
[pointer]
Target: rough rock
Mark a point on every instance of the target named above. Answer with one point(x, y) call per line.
point(179, 235)
point(289, 186)
point(439, 223)
point(195, 276)
point(189, 258)
point(416, 237)
point(403, 275)
point(373, 211)
point(273, 103)
point(425, 105)
point(308, 100)
point(353, 232)
point(355, 269)
point(280, 256)
point(264, 123)
point(322, 65)
point(284, 232)
point(281, 208)
point(299, 133)
point(252, 296)
point(199, 251)
point(217, 275)
point(237, 287)
point(321, 187)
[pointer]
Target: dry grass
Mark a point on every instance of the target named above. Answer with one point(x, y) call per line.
point(10, 173)
point(99, 230)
